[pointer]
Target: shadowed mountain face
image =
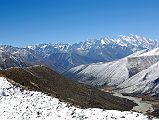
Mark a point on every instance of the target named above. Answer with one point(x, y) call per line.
point(65, 61)
point(41, 78)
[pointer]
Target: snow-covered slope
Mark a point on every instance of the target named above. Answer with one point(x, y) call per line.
point(121, 72)
point(144, 82)
point(17, 104)
point(112, 73)
point(101, 74)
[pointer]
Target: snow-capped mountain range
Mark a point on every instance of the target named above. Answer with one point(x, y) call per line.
point(62, 57)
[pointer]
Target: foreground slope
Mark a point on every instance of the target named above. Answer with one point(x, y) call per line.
point(43, 79)
point(18, 104)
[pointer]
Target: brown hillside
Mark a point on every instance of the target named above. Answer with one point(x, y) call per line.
point(43, 79)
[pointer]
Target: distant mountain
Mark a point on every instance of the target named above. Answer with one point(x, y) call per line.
point(7, 60)
point(137, 73)
point(62, 57)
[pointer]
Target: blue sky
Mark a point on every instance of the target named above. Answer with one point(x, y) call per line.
point(27, 22)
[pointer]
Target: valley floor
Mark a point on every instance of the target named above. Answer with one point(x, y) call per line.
point(142, 106)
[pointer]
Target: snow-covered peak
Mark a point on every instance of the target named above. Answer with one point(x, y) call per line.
point(30, 47)
point(88, 44)
point(44, 46)
point(95, 43)
point(62, 47)
point(47, 49)
point(128, 40)
point(137, 41)
point(105, 41)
